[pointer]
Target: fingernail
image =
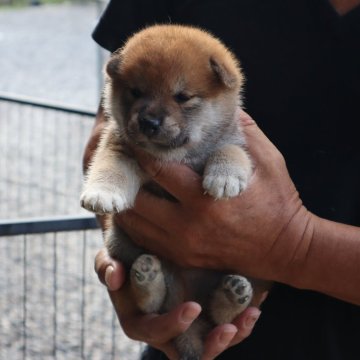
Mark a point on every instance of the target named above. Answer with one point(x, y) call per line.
point(189, 315)
point(226, 336)
point(108, 272)
point(252, 319)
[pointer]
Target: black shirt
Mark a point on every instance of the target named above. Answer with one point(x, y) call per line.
point(302, 64)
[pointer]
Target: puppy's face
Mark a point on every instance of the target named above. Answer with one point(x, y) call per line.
point(167, 93)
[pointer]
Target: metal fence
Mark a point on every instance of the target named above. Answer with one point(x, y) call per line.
point(51, 303)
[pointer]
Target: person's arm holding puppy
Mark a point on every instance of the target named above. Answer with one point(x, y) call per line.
point(329, 268)
point(266, 232)
point(159, 330)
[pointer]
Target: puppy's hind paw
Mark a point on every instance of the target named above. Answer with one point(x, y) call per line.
point(238, 289)
point(148, 283)
point(231, 298)
point(145, 269)
point(102, 201)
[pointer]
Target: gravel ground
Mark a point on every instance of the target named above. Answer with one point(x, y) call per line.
point(51, 303)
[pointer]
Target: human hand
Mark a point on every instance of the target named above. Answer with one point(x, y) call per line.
point(263, 233)
point(159, 330)
point(94, 138)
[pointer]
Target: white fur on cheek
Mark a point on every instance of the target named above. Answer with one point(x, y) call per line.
point(203, 122)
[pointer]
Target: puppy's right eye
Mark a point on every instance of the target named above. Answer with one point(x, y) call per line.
point(181, 97)
point(136, 93)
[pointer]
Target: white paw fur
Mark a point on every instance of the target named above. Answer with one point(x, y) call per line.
point(102, 200)
point(227, 172)
point(224, 186)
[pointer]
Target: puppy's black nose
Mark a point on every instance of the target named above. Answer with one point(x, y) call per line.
point(149, 125)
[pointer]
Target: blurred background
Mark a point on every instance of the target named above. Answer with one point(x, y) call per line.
point(47, 51)
point(51, 303)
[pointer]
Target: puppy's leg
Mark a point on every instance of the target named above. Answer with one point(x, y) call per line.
point(119, 244)
point(113, 179)
point(190, 343)
point(148, 283)
point(227, 172)
point(230, 299)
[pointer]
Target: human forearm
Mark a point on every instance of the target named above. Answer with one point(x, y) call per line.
point(331, 261)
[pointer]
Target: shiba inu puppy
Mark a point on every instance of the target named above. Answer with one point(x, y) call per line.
point(173, 91)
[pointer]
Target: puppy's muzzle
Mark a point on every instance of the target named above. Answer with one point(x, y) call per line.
point(149, 125)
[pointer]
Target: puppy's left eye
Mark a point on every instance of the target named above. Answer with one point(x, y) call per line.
point(136, 93)
point(182, 97)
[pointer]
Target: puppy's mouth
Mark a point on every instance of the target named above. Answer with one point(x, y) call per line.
point(159, 143)
point(178, 141)
point(155, 133)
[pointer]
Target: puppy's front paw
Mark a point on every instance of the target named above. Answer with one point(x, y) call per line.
point(227, 172)
point(103, 201)
point(224, 186)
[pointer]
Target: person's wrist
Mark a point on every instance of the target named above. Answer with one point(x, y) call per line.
point(289, 253)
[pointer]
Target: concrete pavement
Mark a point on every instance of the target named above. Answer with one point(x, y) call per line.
point(47, 52)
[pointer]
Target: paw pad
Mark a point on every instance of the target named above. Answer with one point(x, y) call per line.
point(237, 288)
point(145, 269)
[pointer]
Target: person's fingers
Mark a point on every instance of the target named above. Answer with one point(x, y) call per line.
point(245, 324)
point(157, 210)
point(135, 225)
point(178, 179)
point(227, 335)
point(160, 329)
point(154, 329)
point(261, 149)
point(110, 272)
point(218, 340)
point(245, 118)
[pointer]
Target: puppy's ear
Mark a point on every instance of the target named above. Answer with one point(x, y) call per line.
point(113, 65)
point(227, 76)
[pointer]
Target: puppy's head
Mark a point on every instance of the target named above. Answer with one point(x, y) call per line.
point(171, 86)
